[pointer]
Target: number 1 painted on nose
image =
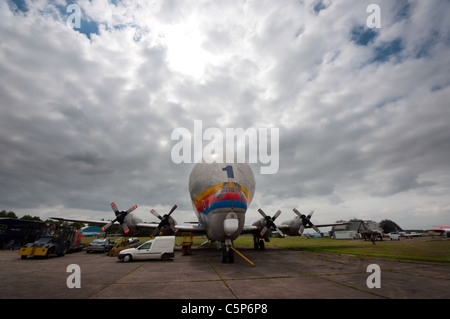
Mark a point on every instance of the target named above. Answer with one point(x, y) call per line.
point(229, 170)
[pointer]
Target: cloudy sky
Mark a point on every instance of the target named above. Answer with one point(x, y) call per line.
point(87, 112)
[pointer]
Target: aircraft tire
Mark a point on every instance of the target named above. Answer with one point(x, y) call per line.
point(261, 245)
point(49, 252)
point(230, 257)
point(227, 256)
point(255, 243)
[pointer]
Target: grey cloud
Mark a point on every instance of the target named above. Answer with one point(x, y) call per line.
point(397, 182)
point(86, 157)
point(88, 121)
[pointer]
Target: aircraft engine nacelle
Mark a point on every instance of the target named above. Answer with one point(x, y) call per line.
point(168, 230)
point(294, 226)
point(131, 221)
point(260, 223)
point(298, 224)
point(267, 224)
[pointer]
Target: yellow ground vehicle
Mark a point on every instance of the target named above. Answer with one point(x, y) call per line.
point(54, 241)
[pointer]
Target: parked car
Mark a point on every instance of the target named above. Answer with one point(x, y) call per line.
point(101, 245)
point(394, 236)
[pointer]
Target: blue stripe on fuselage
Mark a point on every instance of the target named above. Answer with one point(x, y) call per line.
point(225, 204)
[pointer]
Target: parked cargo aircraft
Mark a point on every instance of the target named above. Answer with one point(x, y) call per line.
point(441, 229)
point(220, 194)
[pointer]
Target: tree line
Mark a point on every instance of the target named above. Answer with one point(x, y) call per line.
point(11, 214)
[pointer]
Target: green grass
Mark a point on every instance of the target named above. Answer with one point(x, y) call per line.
point(417, 249)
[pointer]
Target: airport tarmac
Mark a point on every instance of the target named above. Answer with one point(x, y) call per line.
point(278, 274)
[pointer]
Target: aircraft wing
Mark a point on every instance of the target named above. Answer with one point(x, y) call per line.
point(326, 225)
point(196, 229)
point(84, 221)
point(256, 230)
point(250, 229)
point(284, 228)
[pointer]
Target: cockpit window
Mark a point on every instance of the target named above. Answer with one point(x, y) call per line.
point(220, 194)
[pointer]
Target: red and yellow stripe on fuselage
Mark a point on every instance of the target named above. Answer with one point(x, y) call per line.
point(222, 196)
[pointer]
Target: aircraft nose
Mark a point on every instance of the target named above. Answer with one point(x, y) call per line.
point(231, 223)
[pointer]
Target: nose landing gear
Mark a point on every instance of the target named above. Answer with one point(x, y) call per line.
point(227, 256)
point(227, 253)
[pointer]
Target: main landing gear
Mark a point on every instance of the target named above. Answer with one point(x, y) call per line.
point(258, 243)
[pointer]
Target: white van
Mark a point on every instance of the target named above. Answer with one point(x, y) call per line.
point(158, 248)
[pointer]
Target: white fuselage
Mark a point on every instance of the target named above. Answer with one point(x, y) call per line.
point(220, 202)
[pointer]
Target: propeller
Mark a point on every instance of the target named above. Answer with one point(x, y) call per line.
point(165, 221)
point(270, 223)
point(306, 221)
point(120, 217)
